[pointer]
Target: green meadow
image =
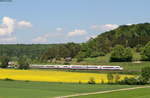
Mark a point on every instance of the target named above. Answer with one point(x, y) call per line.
point(27, 89)
point(137, 93)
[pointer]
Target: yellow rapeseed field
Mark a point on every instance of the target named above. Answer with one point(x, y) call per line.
point(53, 76)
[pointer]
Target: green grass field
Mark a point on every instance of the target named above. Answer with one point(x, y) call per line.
point(137, 93)
point(21, 89)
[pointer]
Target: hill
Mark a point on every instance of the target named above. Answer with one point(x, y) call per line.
point(126, 35)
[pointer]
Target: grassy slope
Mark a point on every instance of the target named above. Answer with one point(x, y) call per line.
point(138, 93)
point(20, 89)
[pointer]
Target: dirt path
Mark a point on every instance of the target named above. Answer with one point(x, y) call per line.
point(101, 92)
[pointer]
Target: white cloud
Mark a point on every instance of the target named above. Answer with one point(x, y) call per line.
point(8, 39)
point(24, 24)
point(105, 27)
point(77, 32)
point(44, 38)
point(41, 39)
point(9, 25)
point(129, 24)
point(89, 37)
point(59, 29)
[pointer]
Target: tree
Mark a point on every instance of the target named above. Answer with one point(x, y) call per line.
point(120, 54)
point(128, 54)
point(23, 63)
point(139, 48)
point(4, 61)
point(145, 73)
point(72, 49)
point(61, 51)
point(81, 55)
point(96, 54)
point(117, 78)
point(146, 52)
point(110, 78)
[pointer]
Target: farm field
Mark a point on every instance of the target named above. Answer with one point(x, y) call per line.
point(21, 89)
point(54, 76)
point(137, 93)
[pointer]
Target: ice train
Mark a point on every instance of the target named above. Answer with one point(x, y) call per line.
point(80, 67)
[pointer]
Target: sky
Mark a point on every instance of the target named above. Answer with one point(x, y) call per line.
point(62, 21)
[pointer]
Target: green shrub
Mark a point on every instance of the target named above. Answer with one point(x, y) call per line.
point(66, 63)
point(97, 54)
point(110, 77)
point(117, 78)
point(145, 54)
point(81, 55)
point(141, 81)
point(4, 61)
point(23, 63)
point(8, 79)
point(121, 54)
point(91, 81)
point(80, 82)
point(145, 73)
point(102, 81)
point(129, 81)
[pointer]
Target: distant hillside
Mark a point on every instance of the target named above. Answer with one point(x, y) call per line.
point(126, 35)
point(17, 50)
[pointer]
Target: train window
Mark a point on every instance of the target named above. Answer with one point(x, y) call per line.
point(108, 67)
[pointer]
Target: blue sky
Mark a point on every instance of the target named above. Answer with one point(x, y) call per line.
point(60, 21)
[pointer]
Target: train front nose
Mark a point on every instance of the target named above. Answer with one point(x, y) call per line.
point(121, 68)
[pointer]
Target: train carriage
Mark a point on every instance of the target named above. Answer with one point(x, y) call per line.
point(80, 67)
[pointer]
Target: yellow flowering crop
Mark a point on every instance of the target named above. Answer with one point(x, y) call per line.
point(53, 76)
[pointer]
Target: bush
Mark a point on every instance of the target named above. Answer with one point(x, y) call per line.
point(79, 59)
point(139, 48)
point(81, 56)
point(66, 63)
point(145, 54)
point(110, 78)
point(102, 81)
point(133, 81)
point(80, 82)
point(8, 79)
point(96, 54)
point(145, 73)
point(144, 78)
point(23, 63)
point(129, 81)
point(141, 81)
point(121, 54)
point(91, 81)
point(4, 62)
point(117, 78)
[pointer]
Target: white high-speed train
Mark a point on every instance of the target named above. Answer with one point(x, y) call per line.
point(86, 67)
